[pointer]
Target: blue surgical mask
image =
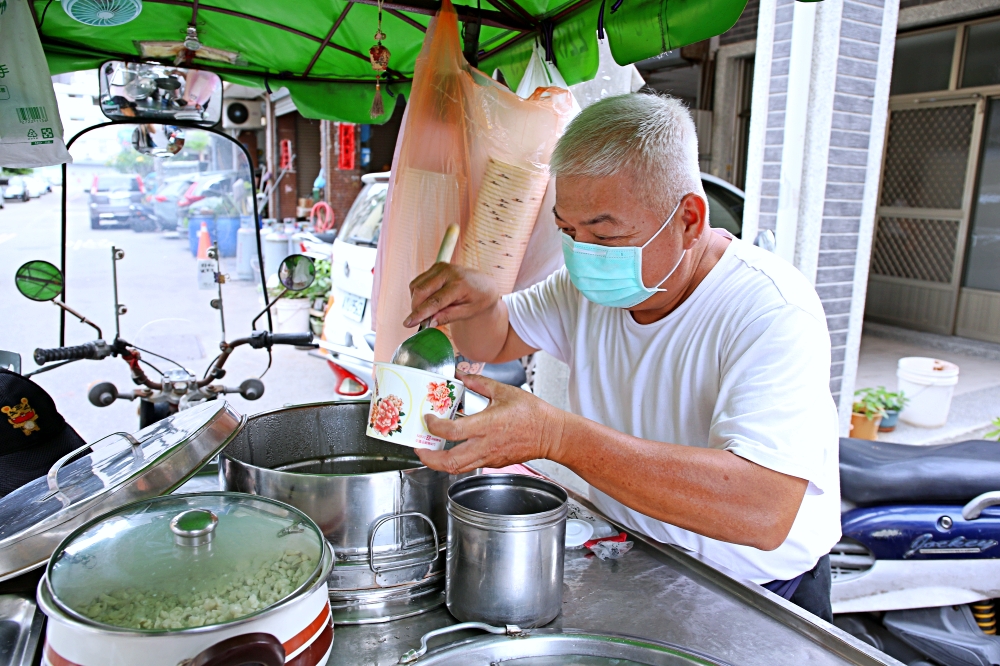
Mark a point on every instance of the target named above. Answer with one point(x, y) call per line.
point(612, 276)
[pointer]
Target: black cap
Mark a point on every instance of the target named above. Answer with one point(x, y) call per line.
point(33, 434)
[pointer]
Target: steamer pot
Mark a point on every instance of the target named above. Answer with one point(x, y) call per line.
point(382, 511)
point(136, 586)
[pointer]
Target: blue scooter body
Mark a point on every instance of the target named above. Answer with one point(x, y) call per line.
point(924, 532)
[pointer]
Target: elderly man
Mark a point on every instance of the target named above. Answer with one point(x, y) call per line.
point(701, 412)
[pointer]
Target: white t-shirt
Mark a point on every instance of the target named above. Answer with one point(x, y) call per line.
point(742, 365)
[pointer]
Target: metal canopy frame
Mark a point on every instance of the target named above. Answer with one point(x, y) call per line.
point(509, 16)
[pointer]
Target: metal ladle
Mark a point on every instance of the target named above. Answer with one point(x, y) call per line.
point(429, 349)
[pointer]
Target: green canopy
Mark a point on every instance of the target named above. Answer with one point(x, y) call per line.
point(318, 49)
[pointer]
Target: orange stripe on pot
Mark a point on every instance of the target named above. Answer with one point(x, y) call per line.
point(56, 659)
point(314, 654)
point(308, 634)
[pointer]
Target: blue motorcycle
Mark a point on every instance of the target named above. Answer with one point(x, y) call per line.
point(918, 567)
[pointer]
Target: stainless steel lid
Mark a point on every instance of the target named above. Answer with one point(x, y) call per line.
point(186, 561)
point(122, 468)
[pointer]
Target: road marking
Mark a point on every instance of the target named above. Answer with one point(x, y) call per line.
point(6, 237)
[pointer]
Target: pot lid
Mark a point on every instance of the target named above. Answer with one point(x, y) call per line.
point(122, 468)
point(185, 561)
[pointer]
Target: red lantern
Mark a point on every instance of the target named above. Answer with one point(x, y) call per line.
point(345, 141)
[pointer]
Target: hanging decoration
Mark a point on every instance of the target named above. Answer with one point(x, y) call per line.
point(380, 63)
point(345, 146)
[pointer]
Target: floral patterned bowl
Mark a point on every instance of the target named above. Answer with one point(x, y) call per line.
point(400, 399)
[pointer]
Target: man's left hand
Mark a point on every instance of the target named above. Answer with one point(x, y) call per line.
point(516, 427)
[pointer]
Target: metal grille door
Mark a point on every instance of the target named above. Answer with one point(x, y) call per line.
point(923, 214)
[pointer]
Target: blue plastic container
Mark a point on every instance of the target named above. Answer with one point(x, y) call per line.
point(228, 228)
point(194, 228)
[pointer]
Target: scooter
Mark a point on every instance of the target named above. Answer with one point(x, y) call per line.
point(918, 567)
point(178, 388)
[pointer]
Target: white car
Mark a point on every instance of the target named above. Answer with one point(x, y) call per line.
point(17, 188)
point(348, 339)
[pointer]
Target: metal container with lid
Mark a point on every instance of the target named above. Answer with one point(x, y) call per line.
point(183, 577)
point(380, 508)
point(122, 468)
point(544, 647)
point(506, 544)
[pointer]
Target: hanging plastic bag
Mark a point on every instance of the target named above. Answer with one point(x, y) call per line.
point(611, 79)
point(31, 134)
point(470, 152)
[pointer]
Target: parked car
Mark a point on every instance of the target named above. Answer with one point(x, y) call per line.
point(347, 331)
point(17, 188)
point(113, 197)
point(219, 183)
point(164, 201)
point(38, 186)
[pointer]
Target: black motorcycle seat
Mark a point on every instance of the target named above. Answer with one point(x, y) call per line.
point(884, 473)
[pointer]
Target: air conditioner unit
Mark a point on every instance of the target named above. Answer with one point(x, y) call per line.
point(241, 114)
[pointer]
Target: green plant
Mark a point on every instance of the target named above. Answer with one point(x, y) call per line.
point(867, 402)
point(890, 401)
point(994, 434)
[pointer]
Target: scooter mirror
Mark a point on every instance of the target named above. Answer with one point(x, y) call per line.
point(39, 280)
point(150, 92)
point(296, 272)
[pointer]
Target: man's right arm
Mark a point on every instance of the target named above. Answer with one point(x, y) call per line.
point(469, 301)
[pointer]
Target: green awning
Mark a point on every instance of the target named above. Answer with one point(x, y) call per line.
point(318, 49)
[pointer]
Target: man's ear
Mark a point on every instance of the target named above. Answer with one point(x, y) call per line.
point(694, 217)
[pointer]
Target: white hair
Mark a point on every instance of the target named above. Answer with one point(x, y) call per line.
point(650, 139)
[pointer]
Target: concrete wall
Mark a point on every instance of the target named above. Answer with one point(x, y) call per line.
point(822, 74)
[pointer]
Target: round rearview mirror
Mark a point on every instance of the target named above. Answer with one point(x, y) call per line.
point(296, 272)
point(39, 280)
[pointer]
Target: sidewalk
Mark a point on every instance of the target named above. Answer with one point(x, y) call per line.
point(976, 399)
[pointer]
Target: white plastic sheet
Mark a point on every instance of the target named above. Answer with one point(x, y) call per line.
point(31, 134)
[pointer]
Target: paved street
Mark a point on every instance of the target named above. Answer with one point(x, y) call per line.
point(157, 280)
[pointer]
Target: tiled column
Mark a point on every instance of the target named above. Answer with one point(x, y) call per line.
point(821, 89)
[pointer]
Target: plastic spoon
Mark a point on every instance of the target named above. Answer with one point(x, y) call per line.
point(429, 349)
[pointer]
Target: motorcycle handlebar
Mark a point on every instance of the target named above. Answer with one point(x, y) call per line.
point(300, 339)
point(95, 350)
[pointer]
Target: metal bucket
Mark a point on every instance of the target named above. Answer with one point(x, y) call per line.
point(506, 543)
point(381, 510)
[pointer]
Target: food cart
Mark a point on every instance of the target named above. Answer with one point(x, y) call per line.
point(655, 605)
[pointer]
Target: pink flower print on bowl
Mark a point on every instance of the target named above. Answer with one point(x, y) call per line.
point(441, 395)
point(386, 416)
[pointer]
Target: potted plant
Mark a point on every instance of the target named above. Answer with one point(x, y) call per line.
point(995, 433)
point(892, 405)
point(866, 414)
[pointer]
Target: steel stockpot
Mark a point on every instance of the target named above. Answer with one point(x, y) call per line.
point(378, 506)
point(205, 578)
point(506, 542)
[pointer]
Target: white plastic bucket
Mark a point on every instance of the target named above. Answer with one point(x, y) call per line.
point(291, 315)
point(928, 384)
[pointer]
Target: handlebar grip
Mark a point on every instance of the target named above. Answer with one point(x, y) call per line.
point(291, 339)
point(89, 350)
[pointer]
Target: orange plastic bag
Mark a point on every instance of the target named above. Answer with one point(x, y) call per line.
point(470, 152)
